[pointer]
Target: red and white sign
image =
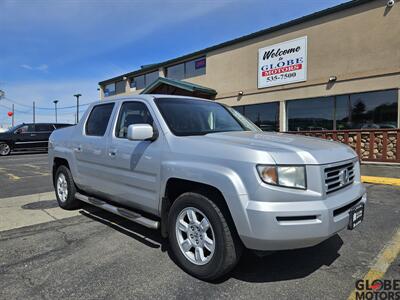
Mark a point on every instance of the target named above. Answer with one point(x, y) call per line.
point(283, 63)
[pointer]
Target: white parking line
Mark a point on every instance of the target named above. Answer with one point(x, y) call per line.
point(13, 215)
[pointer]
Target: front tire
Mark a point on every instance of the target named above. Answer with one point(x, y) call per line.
point(200, 238)
point(5, 149)
point(65, 189)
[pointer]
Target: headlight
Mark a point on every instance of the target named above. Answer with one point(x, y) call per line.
point(287, 176)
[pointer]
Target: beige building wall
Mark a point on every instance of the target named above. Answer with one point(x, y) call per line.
point(360, 46)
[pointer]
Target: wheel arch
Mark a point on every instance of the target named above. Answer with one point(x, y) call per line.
point(57, 162)
point(175, 186)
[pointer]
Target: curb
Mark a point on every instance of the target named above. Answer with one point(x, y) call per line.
point(381, 180)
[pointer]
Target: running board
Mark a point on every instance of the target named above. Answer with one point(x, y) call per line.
point(122, 212)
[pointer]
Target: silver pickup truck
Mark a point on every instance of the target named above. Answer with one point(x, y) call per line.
point(207, 178)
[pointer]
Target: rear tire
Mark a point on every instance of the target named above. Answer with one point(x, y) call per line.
point(5, 149)
point(200, 238)
point(65, 189)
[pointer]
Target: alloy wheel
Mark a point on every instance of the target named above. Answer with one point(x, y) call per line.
point(4, 149)
point(62, 187)
point(195, 236)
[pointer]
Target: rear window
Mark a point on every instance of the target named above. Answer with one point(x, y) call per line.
point(97, 122)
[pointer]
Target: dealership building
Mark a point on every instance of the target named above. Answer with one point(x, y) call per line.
point(335, 73)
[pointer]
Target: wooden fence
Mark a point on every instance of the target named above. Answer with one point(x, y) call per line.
point(378, 145)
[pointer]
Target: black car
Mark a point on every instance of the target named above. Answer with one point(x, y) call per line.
point(27, 137)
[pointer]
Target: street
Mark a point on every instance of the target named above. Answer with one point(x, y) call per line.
point(91, 254)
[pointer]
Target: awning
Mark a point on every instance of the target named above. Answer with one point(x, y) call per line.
point(178, 87)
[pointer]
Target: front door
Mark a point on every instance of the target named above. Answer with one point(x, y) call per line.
point(25, 137)
point(134, 166)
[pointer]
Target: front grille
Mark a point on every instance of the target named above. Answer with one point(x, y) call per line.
point(338, 177)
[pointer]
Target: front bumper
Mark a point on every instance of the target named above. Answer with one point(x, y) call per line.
point(291, 225)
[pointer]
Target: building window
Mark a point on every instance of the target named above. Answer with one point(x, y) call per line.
point(109, 89)
point(195, 67)
point(138, 82)
point(120, 87)
point(114, 88)
point(310, 114)
point(367, 110)
point(192, 68)
point(353, 111)
point(143, 81)
point(264, 115)
point(176, 72)
point(151, 77)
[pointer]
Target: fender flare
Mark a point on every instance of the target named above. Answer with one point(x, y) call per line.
point(224, 179)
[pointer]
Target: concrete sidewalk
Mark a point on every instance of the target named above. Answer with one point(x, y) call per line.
point(29, 210)
point(390, 171)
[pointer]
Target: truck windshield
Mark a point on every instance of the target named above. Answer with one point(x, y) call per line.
point(198, 117)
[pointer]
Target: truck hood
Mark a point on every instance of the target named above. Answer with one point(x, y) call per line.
point(287, 148)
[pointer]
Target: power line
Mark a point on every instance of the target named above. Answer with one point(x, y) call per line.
point(43, 108)
point(17, 110)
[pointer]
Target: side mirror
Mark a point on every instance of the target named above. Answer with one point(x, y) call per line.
point(18, 131)
point(140, 132)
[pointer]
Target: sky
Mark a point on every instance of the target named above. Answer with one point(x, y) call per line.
point(53, 49)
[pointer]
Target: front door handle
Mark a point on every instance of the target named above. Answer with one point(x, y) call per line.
point(112, 153)
point(78, 149)
point(33, 134)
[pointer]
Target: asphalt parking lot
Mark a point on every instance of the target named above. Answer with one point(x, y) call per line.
point(91, 254)
point(23, 174)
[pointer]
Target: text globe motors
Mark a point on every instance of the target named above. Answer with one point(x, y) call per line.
point(283, 63)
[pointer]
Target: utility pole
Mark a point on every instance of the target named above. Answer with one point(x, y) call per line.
point(77, 107)
point(12, 118)
point(34, 117)
point(55, 108)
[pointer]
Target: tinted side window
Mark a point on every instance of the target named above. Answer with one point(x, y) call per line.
point(132, 113)
point(44, 127)
point(98, 120)
point(26, 128)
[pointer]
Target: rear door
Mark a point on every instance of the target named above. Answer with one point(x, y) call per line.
point(133, 167)
point(91, 149)
point(42, 134)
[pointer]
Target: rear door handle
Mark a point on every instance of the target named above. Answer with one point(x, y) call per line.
point(33, 134)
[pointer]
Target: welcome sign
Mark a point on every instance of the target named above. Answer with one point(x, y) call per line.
point(282, 63)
